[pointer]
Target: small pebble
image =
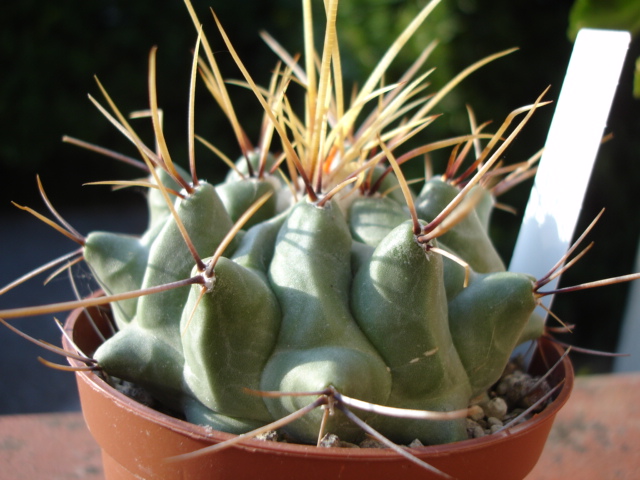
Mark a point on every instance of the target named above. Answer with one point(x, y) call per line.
point(492, 421)
point(494, 429)
point(533, 396)
point(270, 436)
point(496, 407)
point(371, 443)
point(416, 443)
point(509, 382)
point(330, 441)
point(474, 430)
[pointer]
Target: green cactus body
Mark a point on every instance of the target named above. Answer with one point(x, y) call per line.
point(207, 222)
point(320, 344)
point(158, 209)
point(388, 186)
point(255, 249)
point(242, 170)
point(534, 328)
point(228, 335)
point(372, 218)
point(468, 239)
point(360, 255)
point(485, 205)
point(198, 413)
point(118, 263)
point(149, 349)
point(399, 301)
point(486, 320)
point(454, 274)
point(137, 355)
point(237, 197)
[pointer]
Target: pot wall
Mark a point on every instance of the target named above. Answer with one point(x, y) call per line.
point(136, 441)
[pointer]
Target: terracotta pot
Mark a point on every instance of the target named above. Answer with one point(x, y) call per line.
point(136, 440)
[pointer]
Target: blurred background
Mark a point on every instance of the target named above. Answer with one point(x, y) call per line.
point(50, 51)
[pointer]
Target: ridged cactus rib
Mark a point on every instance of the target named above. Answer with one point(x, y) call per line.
point(118, 263)
point(399, 301)
point(170, 260)
point(255, 249)
point(149, 350)
point(320, 344)
point(468, 239)
point(228, 334)
point(138, 356)
point(487, 319)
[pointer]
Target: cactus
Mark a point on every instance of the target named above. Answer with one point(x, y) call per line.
point(317, 271)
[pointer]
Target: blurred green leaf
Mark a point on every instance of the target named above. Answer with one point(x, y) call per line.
point(610, 14)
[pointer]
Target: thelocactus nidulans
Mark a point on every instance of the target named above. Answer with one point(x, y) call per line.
point(317, 269)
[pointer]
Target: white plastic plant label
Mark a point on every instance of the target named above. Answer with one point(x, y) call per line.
point(574, 137)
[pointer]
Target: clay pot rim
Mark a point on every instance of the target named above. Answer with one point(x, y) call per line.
point(207, 434)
